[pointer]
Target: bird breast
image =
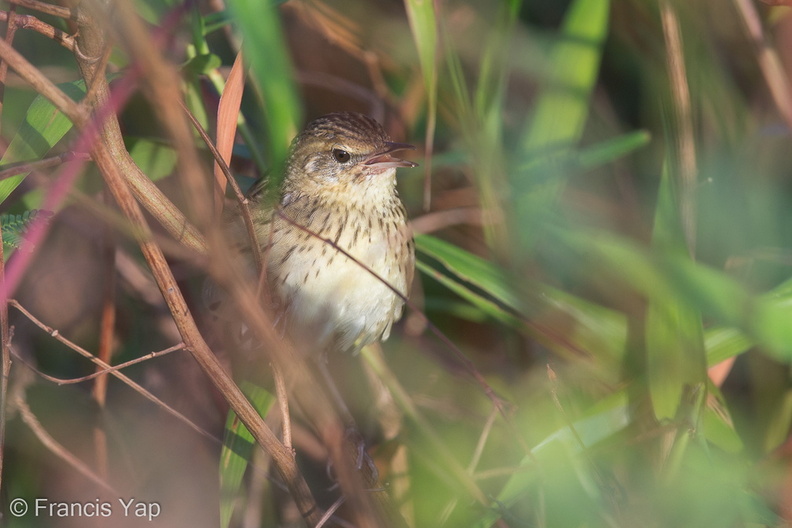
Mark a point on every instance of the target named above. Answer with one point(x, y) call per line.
point(327, 297)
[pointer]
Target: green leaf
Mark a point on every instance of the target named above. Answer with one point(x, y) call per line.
point(544, 166)
point(421, 14)
point(155, 159)
point(612, 149)
point(478, 300)
point(666, 278)
point(563, 107)
point(605, 420)
point(600, 331)
point(723, 343)
point(561, 111)
point(201, 64)
point(43, 127)
point(717, 423)
point(265, 50)
point(237, 449)
point(676, 360)
point(596, 329)
point(471, 269)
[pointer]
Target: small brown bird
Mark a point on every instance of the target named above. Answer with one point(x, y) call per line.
point(339, 191)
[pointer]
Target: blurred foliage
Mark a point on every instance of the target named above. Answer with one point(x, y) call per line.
point(643, 354)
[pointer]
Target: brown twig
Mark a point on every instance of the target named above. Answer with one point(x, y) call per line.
point(685, 167)
point(330, 511)
point(244, 203)
point(11, 18)
point(111, 370)
point(24, 167)
point(283, 403)
point(5, 358)
point(16, 21)
point(162, 87)
point(101, 371)
point(499, 402)
point(42, 85)
point(772, 69)
point(56, 448)
point(144, 189)
point(197, 346)
point(92, 38)
point(106, 333)
point(49, 9)
point(437, 220)
point(108, 314)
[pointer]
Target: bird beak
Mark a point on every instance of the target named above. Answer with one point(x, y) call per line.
point(383, 160)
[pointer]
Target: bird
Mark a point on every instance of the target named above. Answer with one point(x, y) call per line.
point(338, 253)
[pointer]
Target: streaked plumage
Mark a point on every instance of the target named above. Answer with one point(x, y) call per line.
point(340, 184)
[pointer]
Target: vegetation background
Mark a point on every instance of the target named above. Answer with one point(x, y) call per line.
point(600, 332)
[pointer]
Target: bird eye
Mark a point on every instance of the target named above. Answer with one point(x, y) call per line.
point(341, 156)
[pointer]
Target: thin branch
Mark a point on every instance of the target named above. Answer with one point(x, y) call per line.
point(162, 85)
point(145, 190)
point(101, 370)
point(191, 336)
point(42, 85)
point(330, 511)
point(49, 9)
point(437, 220)
point(17, 21)
point(11, 18)
point(684, 138)
point(482, 442)
point(244, 203)
point(23, 167)
point(499, 402)
point(56, 448)
point(374, 358)
point(772, 69)
point(283, 403)
point(108, 314)
point(113, 371)
point(5, 359)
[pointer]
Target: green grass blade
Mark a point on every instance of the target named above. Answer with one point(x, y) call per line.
point(42, 128)
point(485, 285)
point(423, 24)
point(154, 158)
point(609, 418)
point(237, 449)
point(543, 167)
point(563, 107)
point(676, 360)
point(560, 113)
point(471, 268)
point(612, 149)
point(483, 303)
point(265, 50)
point(717, 423)
point(723, 343)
